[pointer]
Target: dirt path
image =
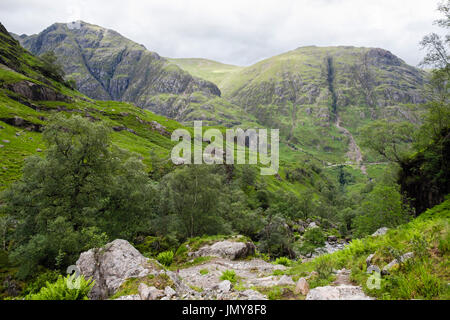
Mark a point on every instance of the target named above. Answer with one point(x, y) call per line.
point(354, 152)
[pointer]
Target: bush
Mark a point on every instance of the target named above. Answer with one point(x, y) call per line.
point(229, 275)
point(165, 258)
point(68, 288)
point(283, 261)
point(324, 267)
point(35, 286)
point(315, 237)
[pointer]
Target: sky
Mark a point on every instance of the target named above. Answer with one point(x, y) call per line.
point(240, 32)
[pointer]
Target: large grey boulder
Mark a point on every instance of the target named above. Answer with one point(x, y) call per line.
point(343, 292)
point(111, 265)
point(227, 249)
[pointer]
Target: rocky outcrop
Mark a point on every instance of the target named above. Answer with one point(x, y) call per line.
point(35, 92)
point(111, 265)
point(344, 292)
point(227, 249)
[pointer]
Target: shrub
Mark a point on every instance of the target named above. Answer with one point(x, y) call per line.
point(324, 267)
point(283, 261)
point(35, 286)
point(315, 237)
point(165, 258)
point(68, 288)
point(229, 275)
point(204, 272)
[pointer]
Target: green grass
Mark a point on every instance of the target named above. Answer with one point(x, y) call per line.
point(423, 277)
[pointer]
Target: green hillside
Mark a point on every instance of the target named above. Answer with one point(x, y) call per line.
point(210, 70)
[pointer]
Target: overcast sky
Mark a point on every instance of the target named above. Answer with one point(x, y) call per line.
point(239, 31)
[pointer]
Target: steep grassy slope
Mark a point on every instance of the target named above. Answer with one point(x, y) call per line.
point(210, 70)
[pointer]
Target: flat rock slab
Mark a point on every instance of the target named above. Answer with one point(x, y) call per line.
point(343, 292)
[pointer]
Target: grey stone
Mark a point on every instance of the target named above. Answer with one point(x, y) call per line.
point(344, 292)
point(111, 265)
point(380, 232)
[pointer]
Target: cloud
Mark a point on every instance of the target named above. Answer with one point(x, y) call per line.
point(240, 31)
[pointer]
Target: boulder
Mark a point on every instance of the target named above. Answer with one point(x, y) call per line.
point(285, 281)
point(227, 249)
point(149, 293)
point(130, 297)
point(224, 286)
point(251, 295)
point(169, 292)
point(111, 265)
point(302, 287)
point(344, 292)
point(332, 239)
point(369, 259)
point(380, 232)
point(312, 225)
point(393, 263)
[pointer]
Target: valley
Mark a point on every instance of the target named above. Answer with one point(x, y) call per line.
point(87, 179)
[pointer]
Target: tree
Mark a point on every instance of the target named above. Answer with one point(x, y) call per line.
point(392, 140)
point(383, 207)
point(80, 194)
point(194, 195)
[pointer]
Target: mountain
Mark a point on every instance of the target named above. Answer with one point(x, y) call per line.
point(108, 66)
point(370, 76)
point(304, 92)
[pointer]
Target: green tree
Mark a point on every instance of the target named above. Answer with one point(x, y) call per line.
point(50, 67)
point(80, 194)
point(194, 194)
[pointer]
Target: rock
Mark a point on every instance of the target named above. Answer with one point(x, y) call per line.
point(224, 286)
point(312, 225)
point(111, 265)
point(130, 297)
point(227, 249)
point(17, 134)
point(252, 295)
point(332, 239)
point(2, 146)
point(169, 292)
point(302, 287)
point(380, 232)
point(6, 141)
point(390, 265)
point(38, 150)
point(285, 281)
point(344, 292)
point(149, 293)
point(369, 259)
point(144, 291)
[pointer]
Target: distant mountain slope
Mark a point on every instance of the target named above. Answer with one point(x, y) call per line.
point(210, 70)
point(108, 66)
point(370, 76)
